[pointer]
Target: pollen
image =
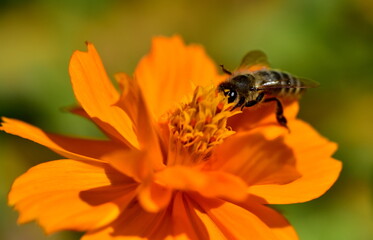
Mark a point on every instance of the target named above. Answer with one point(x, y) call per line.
point(199, 125)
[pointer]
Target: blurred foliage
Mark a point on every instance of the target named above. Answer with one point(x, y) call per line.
point(328, 41)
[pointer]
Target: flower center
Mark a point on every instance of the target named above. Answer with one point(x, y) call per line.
point(196, 127)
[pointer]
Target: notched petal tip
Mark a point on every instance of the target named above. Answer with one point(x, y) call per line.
point(69, 147)
point(3, 121)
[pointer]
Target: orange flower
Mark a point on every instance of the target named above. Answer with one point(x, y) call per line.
point(177, 164)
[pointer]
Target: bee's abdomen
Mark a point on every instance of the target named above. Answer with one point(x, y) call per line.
point(292, 85)
point(281, 84)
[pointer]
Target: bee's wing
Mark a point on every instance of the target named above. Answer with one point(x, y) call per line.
point(304, 83)
point(308, 83)
point(254, 60)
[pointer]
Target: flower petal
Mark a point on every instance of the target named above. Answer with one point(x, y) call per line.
point(139, 166)
point(207, 183)
point(234, 221)
point(154, 197)
point(63, 194)
point(96, 95)
point(256, 159)
point(184, 220)
point(262, 114)
point(104, 127)
point(168, 73)
point(79, 149)
point(190, 222)
point(313, 155)
point(144, 126)
point(132, 163)
point(273, 219)
point(135, 223)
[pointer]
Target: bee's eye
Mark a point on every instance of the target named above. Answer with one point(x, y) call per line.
point(231, 94)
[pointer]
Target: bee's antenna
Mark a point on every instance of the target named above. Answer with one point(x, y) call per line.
point(225, 70)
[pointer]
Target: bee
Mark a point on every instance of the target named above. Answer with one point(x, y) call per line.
point(255, 82)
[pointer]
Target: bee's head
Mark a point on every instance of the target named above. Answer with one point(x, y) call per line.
point(229, 90)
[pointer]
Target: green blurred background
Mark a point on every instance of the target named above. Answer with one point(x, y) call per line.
point(328, 41)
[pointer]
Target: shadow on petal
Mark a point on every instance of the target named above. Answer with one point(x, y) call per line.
point(256, 159)
point(135, 222)
point(279, 225)
point(234, 221)
point(261, 115)
point(318, 169)
point(101, 195)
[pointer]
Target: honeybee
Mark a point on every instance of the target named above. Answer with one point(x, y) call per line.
point(255, 82)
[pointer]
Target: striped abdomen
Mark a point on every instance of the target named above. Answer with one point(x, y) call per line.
point(279, 83)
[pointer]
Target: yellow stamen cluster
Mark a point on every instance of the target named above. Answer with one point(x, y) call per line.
point(196, 127)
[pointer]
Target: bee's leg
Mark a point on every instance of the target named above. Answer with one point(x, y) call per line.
point(239, 104)
point(279, 111)
point(251, 103)
point(225, 70)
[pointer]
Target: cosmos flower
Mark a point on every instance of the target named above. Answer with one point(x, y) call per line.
point(176, 164)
